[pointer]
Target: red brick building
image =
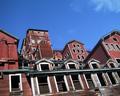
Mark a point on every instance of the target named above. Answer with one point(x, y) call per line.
point(75, 50)
point(8, 51)
point(11, 81)
point(36, 45)
point(44, 72)
point(107, 48)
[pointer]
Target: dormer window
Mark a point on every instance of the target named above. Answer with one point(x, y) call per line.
point(112, 65)
point(72, 66)
point(44, 67)
point(95, 66)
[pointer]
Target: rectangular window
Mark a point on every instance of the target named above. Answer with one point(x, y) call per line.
point(15, 81)
point(61, 83)
point(76, 82)
point(101, 79)
point(89, 80)
point(43, 85)
point(72, 66)
point(112, 79)
point(44, 67)
point(95, 66)
point(15, 84)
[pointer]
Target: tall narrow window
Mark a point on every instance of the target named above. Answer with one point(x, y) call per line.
point(15, 80)
point(89, 80)
point(15, 83)
point(111, 78)
point(61, 83)
point(76, 82)
point(101, 79)
point(43, 85)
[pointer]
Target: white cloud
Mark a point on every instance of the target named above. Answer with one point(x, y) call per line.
point(107, 5)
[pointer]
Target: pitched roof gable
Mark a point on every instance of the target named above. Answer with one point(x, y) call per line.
point(110, 34)
point(8, 34)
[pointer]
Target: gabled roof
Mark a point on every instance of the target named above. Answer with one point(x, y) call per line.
point(43, 60)
point(110, 34)
point(100, 43)
point(93, 60)
point(71, 42)
point(8, 34)
point(70, 60)
point(111, 61)
point(75, 41)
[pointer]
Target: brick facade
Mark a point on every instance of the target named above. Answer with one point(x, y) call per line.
point(68, 72)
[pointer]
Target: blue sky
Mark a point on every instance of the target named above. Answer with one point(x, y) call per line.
point(83, 20)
